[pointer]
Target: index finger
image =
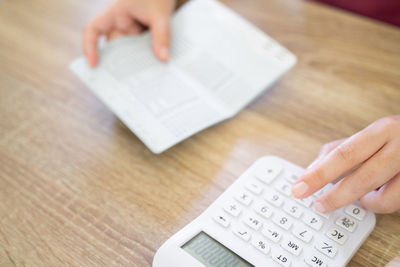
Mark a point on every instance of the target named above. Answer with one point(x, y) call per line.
point(101, 25)
point(90, 40)
point(349, 154)
point(161, 34)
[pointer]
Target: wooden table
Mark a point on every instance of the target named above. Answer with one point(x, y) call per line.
point(78, 188)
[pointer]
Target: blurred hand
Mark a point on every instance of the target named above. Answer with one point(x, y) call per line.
point(125, 17)
point(374, 153)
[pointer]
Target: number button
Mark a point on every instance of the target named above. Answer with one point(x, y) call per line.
point(268, 174)
point(323, 190)
point(356, 212)
point(280, 257)
point(233, 208)
point(261, 244)
point(347, 223)
point(337, 235)
point(244, 198)
point(222, 220)
point(263, 209)
point(293, 209)
point(242, 232)
point(283, 221)
point(313, 221)
point(306, 202)
point(325, 215)
point(253, 222)
point(313, 259)
point(293, 246)
point(291, 177)
point(284, 187)
point(274, 198)
point(303, 233)
point(326, 248)
point(255, 187)
point(271, 233)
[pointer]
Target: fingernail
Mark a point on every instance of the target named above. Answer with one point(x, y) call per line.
point(299, 189)
point(319, 207)
point(164, 53)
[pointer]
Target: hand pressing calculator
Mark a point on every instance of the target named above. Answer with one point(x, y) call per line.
point(257, 222)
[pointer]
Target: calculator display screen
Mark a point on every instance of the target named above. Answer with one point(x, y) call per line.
point(211, 253)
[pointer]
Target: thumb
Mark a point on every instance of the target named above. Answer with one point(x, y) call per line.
point(161, 33)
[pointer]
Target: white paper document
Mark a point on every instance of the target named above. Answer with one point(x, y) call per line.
point(218, 63)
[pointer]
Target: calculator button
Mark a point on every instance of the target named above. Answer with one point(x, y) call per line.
point(315, 260)
point(281, 257)
point(274, 198)
point(222, 220)
point(303, 233)
point(255, 187)
point(261, 244)
point(284, 187)
point(306, 202)
point(324, 189)
point(337, 235)
point(318, 193)
point(253, 222)
point(325, 215)
point(293, 209)
point(291, 177)
point(233, 208)
point(244, 198)
point(268, 174)
point(356, 212)
point(272, 233)
point(313, 221)
point(263, 209)
point(326, 248)
point(292, 245)
point(347, 223)
point(242, 232)
point(282, 220)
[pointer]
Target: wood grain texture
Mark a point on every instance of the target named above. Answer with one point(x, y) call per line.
point(77, 188)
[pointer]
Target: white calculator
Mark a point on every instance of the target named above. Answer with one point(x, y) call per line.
point(257, 222)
